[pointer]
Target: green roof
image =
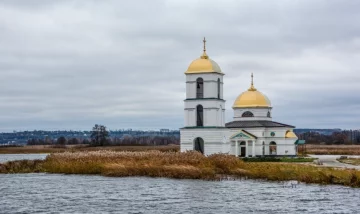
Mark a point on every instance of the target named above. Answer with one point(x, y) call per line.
point(300, 142)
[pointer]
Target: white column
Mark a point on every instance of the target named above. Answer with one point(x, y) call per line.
point(246, 149)
point(253, 148)
point(236, 149)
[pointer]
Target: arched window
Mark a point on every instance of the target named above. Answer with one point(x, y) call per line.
point(218, 87)
point(199, 115)
point(242, 149)
point(268, 114)
point(199, 88)
point(272, 148)
point(247, 114)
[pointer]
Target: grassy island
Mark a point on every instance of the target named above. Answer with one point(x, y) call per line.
point(189, 165)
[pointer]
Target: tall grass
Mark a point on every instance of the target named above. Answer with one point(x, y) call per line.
point(152, 163)
point(192, 165)
point(189, 165)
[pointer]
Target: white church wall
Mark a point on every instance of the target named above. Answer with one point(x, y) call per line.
point(190, 90)
point(278, 131)
point(259, 147)
point(285, 146)
point(213, 112)
point(190, 115)
point(213, 139)
point(210, 89)
point(291, 145)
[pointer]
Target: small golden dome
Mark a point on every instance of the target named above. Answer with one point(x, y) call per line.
point(251, 98)
point(203, 65)
point(290, 134)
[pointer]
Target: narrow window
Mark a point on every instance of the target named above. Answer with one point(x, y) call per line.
point(199, 116)
point(199, 88)
point(247, 114)
point(268, 114)
point(218, 87)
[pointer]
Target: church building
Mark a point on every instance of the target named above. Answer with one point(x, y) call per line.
point(252, 131)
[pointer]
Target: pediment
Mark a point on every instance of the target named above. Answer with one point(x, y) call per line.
point(243, 135)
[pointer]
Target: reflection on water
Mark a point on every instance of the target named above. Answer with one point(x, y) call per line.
point(11, 157)
point(44, 193)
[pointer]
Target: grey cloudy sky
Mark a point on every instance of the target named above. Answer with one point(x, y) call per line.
point(69, 64)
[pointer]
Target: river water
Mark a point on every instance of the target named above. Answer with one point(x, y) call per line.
point(11, 157)
point(55, 193)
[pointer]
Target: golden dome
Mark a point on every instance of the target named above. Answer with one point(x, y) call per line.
point(203, 65)
point(251, 98)
point(290, 134)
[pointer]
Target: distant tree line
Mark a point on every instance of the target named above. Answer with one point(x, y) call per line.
point(340, 137)
point(127, 140)
point(100, 137)
point(60, 141)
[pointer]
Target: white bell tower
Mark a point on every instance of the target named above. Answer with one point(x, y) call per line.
point(204, 104)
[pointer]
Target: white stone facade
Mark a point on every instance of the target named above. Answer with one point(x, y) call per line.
point(252, 133)
point(218, 140)
point(211, 101)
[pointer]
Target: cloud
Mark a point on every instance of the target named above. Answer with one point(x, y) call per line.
point(70, 64)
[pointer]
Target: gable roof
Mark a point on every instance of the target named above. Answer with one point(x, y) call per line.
point(255, 124)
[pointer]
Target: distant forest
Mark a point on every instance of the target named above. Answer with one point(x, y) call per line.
point(335, 137)
point(126, 140)
point(161, 137)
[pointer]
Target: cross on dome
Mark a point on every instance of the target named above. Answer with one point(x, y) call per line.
point(252, 88)
point(203, 64)
point(204, 56)
point(204, 41)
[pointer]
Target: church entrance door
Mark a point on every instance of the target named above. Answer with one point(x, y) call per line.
point(242, 149)
point(199, 145)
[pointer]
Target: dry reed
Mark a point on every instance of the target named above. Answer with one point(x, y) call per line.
point(192, 165)
point(188, 165)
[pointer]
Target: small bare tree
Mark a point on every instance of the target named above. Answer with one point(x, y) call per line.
point(99, 135)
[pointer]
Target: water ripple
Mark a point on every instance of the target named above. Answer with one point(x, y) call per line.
point(52, 193)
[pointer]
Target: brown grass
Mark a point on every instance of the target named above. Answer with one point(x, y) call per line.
point(331, 149)
point(189, 165)
point(76, 148)
point(150, 163)
point(192, 165)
